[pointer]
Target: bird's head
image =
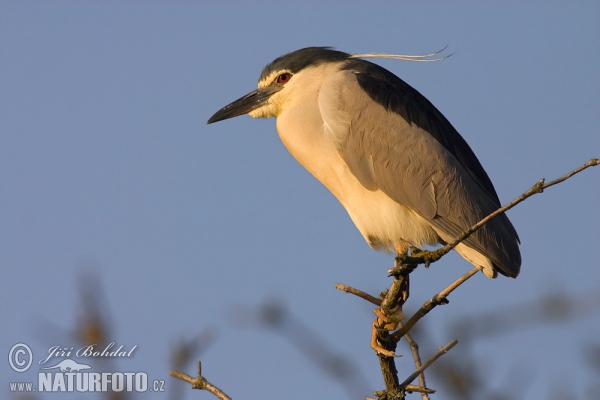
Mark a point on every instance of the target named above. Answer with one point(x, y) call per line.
point(291, 79)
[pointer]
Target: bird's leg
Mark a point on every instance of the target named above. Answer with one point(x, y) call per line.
point(390, 314)
point(387, 323)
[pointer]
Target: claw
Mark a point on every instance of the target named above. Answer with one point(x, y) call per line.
point(375, 345)
point(384, 322)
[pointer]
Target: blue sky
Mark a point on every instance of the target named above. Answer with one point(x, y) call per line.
point(107, 165)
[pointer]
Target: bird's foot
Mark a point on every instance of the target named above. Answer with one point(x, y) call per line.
point(386, 322)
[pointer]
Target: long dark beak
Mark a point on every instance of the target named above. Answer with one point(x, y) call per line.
point(244, 105)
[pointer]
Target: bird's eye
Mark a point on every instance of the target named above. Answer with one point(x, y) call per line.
point(284, 78)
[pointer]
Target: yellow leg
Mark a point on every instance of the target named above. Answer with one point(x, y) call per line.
point(389, 322)
point(384, 322)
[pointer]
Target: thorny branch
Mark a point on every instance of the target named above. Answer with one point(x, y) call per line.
point(441, 352)
point(394, 389)
point(414, 348)
point(394, 298)
point(200, 383)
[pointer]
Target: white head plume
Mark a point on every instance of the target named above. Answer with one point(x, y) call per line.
point(406, 57)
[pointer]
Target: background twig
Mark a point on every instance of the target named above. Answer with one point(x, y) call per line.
point(414, 348)
point(441, 351)
point(200, 383)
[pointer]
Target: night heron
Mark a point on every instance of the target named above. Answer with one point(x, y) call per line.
point(400, 169)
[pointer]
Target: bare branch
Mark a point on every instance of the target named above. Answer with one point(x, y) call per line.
point(440, 298)
point(408, 388)
point(423, 390)
point(414, 348)
point(592, 163)
point(200, 383)
point(359, 293)
point(441, 351)
point(389, 371)
point(393, 299)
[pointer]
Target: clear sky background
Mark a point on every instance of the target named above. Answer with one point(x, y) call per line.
point(107, 166)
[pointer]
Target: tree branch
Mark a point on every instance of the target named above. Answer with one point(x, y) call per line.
point(393, 299)
point(200, 383)
point(359, 293)
point(423, 390)
point(414, 348)
point(440, 298)
point(441, 351)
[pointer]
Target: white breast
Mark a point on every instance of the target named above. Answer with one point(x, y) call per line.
point(382, 222)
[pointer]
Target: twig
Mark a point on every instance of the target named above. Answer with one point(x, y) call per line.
point(387, 363)
point(441, 351)
point(414, 348)
point(200, 383)
point(359, 293)
point(440, 298)
point(428, 257)
point(592, 163)
point(423, 390)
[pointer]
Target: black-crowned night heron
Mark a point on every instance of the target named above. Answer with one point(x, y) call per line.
point(400, 169)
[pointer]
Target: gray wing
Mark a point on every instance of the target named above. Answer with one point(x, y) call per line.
point(420, 165)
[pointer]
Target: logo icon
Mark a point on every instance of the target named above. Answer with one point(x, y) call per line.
point(69, 365)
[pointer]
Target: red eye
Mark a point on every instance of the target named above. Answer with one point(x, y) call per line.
point(284, 78)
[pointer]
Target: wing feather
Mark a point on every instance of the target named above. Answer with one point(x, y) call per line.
point(424, 166)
